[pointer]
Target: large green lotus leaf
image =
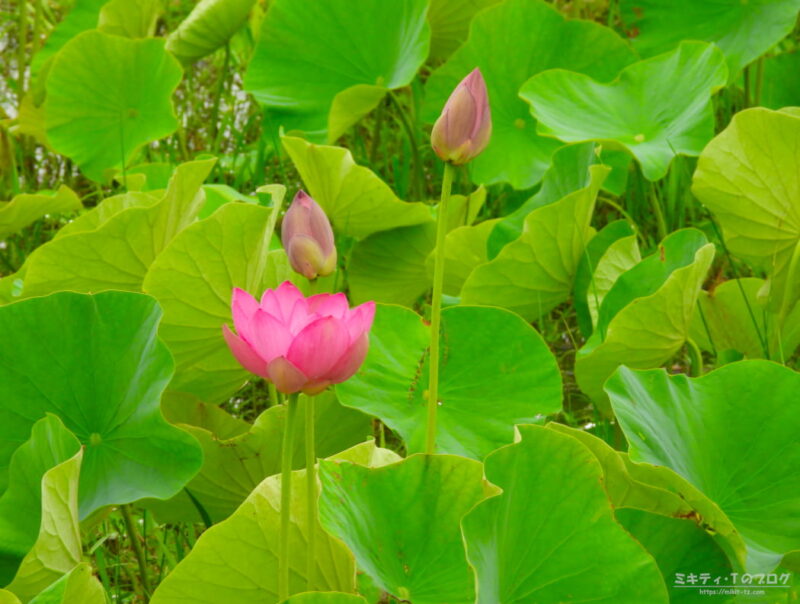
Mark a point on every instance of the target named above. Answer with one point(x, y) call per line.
point(7, 597)
point(450, 21)
point(180, 408)
point(193, 280)
point(25, 208)
point(465, 248)
point(622, 486)
point(323, 597)
point(153, 175)
point(496, 371)
point(130, 83)
point(614, 243)
point(209, 26)
point(463, 210)
point(727, 324)
point(744, 30)
point(389, 267)
point(58, 546)
point(551, 535)
point(300, 63)
point(83, 15)
point(510, 42)
point(92, 219)
point(658, 490)
point(50, 445)
point(355, 199)
point(620, 257)
point(96, 362)
point(394, 266)
point(677, 250)
point(350, 105)
point(117, 254)
point(644, 319)
point(11, 286)
point(780, 88)
point(77, 586)
point(217, 195)
point(568, 173)
point(680, 547)
point(402, 522)
point(534, 274)
point(731, 433)
point(656, 109)
point(130, 18)
point(236, 561)
point(233, 466)
point(748, 177)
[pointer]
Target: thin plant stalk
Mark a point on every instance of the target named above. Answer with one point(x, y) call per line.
point(695, 358)
point(22, 42)
point(286, 496)
point(405, 122)
point(311, 492)
point(656, 205)
point(133, 535)
point(759, 81)
point(436, 309)
point(215, 129)
point(375, 143)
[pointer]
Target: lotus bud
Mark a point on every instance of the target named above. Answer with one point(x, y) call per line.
point(465, 126)
point(307, 237)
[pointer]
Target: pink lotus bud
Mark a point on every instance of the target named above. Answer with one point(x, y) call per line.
point(300, 344)
point(307, 237)
point(464, 128)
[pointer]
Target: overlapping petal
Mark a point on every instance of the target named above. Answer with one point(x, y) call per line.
point(298, 343)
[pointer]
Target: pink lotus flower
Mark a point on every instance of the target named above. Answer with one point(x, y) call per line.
point(465, 125)
point(307, 237)
point(300, 344)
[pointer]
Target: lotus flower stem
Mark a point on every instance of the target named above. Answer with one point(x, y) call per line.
point(215, 129)
point(286, 496)
point(311, 505)
point(402, 116)
point(436, 309)
point(695, 358)
point(133, 536)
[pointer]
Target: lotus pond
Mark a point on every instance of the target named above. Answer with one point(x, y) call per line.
point(385, 301)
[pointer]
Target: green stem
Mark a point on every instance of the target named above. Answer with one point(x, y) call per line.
point(762, 337)
point(273, 395)
point(133, 535)
point(286, 496)
point(695, 358)
point(759, 81)
point(201, 510)
point(416, 182)
point(436, 309)
point(311, 493)
point(22, 42)
point(276, 144)
point(656, 204)
point(37, 26)
point(376, 135)
point(215, 129)
point(746, 87)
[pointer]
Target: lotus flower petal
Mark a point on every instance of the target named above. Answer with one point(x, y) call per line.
point(317, 348)
point(247, 357)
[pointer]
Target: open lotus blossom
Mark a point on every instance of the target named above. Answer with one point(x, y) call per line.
point(300, 344)
point(465, 125)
